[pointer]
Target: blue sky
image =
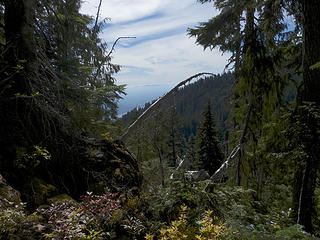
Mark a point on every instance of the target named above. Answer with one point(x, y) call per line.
point(161, 55)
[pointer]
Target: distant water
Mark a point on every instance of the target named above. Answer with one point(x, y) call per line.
point(137, 96)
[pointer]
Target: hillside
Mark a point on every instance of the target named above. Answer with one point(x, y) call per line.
point(191, 99)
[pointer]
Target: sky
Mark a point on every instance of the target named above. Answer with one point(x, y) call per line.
point(161, 54)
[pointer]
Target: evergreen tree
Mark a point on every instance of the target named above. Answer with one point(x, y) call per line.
point(191, 151)
point(56, 83)
point(224, 30)
point(308, 116)
point(266, 45)
point(175, 141)
point(82, 63)
point(209, 154)
point(259, 86)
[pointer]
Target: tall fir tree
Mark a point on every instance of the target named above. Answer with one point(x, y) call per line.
point(259, 86)
point(175, 141)
point(191, 151)
point(209, 153)
point(308, 117)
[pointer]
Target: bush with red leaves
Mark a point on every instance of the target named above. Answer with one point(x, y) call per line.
point(86, 220)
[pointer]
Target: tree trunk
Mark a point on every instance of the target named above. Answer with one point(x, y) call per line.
point(306, 176)
point(237, 51)
point(311, 50)
point(250, 37)
point(247, 48)
point(160, 154)
point(18, 60)
point(20, 41)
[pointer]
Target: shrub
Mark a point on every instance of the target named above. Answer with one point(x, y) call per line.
point(208, 228)
point(87, 220)
point(10, 222)
point(211, 227)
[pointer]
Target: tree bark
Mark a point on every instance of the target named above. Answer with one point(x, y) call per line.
point(311, 50)
point(306, 176)
point(19, 40)
point(19, 61)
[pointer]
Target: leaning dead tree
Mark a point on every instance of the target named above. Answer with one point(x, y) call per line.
point(156, 105)
point(221, 173)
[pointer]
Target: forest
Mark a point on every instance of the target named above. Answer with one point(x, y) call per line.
point(220, 156)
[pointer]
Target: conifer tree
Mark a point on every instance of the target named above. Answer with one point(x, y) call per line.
point(224, 30)
point(191, 151)
point(259, 86)
point(264, 41)
point(308, 117)
point(56, 83)
point(82, 63)
point(209, 153)
point(175, 138)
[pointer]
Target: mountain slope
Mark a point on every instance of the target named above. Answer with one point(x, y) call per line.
point(190, 100)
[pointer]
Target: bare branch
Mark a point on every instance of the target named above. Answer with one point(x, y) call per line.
point(97, 18)
point(115, 43)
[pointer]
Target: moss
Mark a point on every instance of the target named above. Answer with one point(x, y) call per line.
point(35, 218)
point(118, 175)
point(98, 188)
point(60, 199)
point(113, 161)
point(37, 192)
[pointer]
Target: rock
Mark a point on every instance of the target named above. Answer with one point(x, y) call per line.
point(111, 163)
point(196, 176)
point(182, 164)
point(191, 176)
point(9, 197)
point(89, 165)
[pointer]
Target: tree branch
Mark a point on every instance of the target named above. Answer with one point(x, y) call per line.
point(115, 43)
point(97, 17)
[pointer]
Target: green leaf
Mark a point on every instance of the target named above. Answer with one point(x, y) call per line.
point(315, 66)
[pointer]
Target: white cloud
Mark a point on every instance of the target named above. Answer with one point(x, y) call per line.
point(173, 59)
point(162, 53)
point(123, 10)
point(170, 16)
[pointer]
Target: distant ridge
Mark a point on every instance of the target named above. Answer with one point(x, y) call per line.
point(190, 100)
